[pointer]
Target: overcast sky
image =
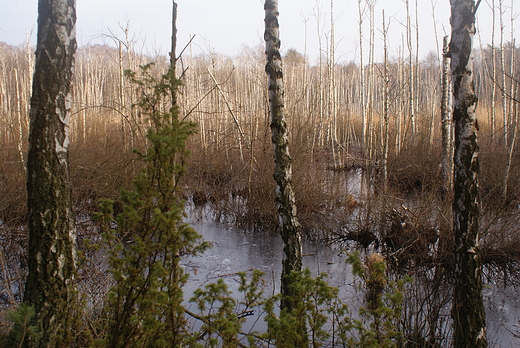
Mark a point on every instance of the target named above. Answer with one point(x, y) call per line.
point(225, 26)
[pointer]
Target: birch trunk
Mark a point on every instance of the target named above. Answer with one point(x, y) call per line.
point(505, 134)
point(386, 104)
point(362, 79)
point(493, 76)
point(399, 103)
point(52, 234)
point(411, 84)
point(332, 95)
point(371, 77)
point(289, 226)
point(514, 119)
point(173, 55)
point(447, 130)
point(468, 308)
point(511, 68)
point(321, 125)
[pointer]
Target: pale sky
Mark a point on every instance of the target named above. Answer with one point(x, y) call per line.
point(225, 26)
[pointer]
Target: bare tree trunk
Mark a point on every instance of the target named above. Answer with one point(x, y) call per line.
point(505, 134)
point(512, 65)
point(371, 78)
point(362, 79)
point(122, 93)
point(20, 112)
point(399, 114)
point(514, 119)
point(321, 124)
point(434, 4)
point(242, 138)
point(415, 96)
point(176, 320)
point(468, 307)
point(411, 83)
point(494, 76)
point(173, 56)
point(447, 130)
point(52, 234)
point(332, 94)
point(384, 167)
point(289, 226)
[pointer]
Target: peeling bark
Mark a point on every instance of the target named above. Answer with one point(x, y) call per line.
point(468, 308)
point(52, 234)
point(289, 226)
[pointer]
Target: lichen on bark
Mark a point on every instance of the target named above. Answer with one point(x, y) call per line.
point(468, 308)
point(290, 228)
point(52, 235)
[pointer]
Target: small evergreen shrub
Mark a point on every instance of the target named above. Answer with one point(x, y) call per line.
point(23, 326)
point(378, 323)
point(145, 241)
point(223, 313)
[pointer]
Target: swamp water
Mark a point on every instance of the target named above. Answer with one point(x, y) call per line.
point(235, 251)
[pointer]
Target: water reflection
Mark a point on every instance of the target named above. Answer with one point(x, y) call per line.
point(238, 251)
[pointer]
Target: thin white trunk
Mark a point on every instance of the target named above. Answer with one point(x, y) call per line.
point(371, 77)
point(400, 79)
point(447, 130)
point(242, 138)
point(332, 93)
point(494, 75)
point(514, 117)
point(362, 81)
point(386, 103)
point(411, 93)
point(512, 64)
point(505, 122)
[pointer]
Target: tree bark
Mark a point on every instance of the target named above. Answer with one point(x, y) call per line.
point(386, 107)
point(52, 234)
point(513, 116)
point(411, 84)
point(333, 117)
point(371, 85)
point(505, 134)
point(447, 130)
point(173, 55)
point(289, 226)
point(493, 75)
point(468, 308)
point(362, 82)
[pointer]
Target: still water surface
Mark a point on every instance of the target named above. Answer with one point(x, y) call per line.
point(238, 251)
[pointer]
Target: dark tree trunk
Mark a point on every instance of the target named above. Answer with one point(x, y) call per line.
point(468, 308)
point(289, 225)
point(52, 234)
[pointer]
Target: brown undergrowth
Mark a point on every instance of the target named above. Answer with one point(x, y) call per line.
point(347, 204)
